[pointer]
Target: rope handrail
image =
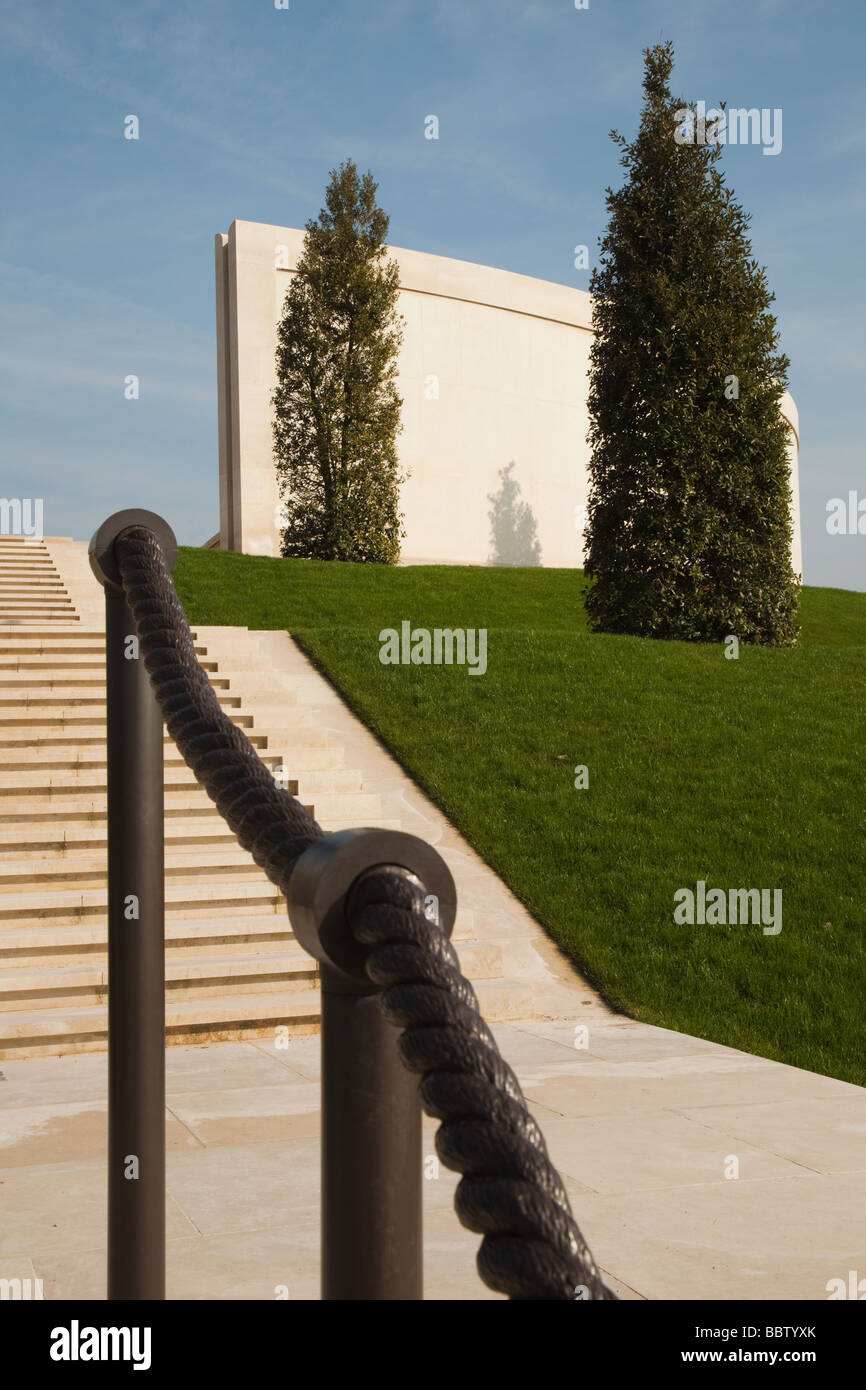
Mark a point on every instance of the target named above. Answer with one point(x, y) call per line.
point(509, 1192)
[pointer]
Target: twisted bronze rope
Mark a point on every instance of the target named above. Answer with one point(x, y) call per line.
point(267, 820)
point(509, 1192)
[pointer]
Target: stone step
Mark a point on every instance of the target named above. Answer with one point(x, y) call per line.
point(32, 586)
point(58, 664)
point(87, 780)
point(50, 624)
point(11, 559)
point(26, 702)
point(47, 841)
point(64, 646)
point(70, 652)
point(32, 591)
point(90, 812)
point(181, 793)
point(53, 1032)
point(61, 907)
point(219, 865)
point(31, 578)
point(68, 657)
point(36, 633)
point(38, 604)
point(21, 677)
point(10, 612)
point(47, 721)
point(182, 817)
point(298, 754)
point(85, 769)
point(58, 644)
point(201, 977)
point(58, 743)
point(22, 947)
point(66, 748)
point(74, 863)
point(27, 564)
point(83, 761)
point(36, 574)
point(26, 684)
point(21, 706)
point(86, 730)
point(280, 966)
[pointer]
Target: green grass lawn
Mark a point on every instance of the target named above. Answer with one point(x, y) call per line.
point(746, 774)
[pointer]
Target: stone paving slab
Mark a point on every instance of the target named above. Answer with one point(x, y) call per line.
point(643, 1122)
point(739, 1241)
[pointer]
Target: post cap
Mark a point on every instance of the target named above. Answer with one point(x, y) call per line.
point(324, 874)
point(101, 548)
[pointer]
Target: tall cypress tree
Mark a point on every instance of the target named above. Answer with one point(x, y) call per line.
point(336, 407)
point(689, 532)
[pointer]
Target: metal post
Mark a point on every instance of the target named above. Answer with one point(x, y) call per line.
point(371, 1113)
point(371, 1152)
point(136, 939)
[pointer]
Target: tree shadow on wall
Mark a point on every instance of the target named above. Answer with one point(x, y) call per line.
point(513, 530)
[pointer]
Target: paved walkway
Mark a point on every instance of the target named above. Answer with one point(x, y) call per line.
point(643, 1123)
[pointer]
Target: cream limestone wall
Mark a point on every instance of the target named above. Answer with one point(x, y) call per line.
point(492, 374)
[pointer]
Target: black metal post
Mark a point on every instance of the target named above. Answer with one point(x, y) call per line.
point(136, 939)
point(371, 1152)
point(371, 1113)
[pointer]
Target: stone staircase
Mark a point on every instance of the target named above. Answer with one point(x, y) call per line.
point(233, 967)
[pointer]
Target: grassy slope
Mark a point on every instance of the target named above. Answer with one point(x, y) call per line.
point(748, 773)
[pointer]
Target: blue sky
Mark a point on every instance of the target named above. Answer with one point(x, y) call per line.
point(106, 244)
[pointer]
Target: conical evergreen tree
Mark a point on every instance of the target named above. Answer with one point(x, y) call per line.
point(336, 407)
point(689, 531)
